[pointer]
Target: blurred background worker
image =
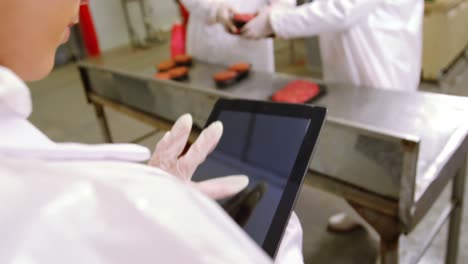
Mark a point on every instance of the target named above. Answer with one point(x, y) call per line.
point(372, 43)
point(211, 33)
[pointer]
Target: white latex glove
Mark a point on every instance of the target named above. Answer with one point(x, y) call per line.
point(224, 17)
point(290, 250)
point(259, 27)
point(170, 147)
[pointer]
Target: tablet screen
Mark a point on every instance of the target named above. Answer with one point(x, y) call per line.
point(265, 148)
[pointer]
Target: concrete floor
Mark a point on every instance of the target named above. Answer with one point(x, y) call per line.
point(61, 111)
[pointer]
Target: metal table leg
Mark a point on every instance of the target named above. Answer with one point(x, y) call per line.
point(389, 251)
point(101, 116)
point(388, 228)
point(458, 190)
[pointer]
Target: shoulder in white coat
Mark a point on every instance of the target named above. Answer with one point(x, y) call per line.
point(66, 212)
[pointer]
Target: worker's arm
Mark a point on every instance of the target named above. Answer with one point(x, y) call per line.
point(319, 16)
point(212, 11)
point(284, 3)
point(290, 250)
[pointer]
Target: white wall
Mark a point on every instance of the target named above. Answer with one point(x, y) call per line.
point(110, 23)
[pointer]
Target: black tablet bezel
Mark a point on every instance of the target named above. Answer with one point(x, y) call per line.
point(317, 115)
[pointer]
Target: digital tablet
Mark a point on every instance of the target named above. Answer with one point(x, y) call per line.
point(271, 143)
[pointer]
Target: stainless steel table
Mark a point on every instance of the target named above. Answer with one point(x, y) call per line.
point(389, 154)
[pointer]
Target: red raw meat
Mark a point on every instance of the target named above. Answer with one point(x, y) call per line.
point(240, 67)
point(224, 76)
point(240, 20)
point(165, 65)
point(243, 17)
point(297, 92)
point(162, 76)
point(183, 60)
point(179, 73)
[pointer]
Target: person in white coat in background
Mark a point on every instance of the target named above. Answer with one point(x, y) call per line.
point(371, 43)
point(76, 203)
point(210, 31)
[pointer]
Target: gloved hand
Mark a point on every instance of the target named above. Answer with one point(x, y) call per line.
point(224, 17)
point(167, 157)
point(259, 27)
point(290, 250)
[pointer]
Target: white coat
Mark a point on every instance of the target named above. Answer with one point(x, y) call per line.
point(374, 43)
point(211, 43)
point(76, 203)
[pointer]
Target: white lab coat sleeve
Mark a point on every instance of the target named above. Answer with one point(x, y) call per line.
point(319, 16)
point(204, 9)
point(290, 250)
point(112, 213)
point(284, 3)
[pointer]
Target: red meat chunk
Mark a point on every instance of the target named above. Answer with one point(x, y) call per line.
point(297, 92)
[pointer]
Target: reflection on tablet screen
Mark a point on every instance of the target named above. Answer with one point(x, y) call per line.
point(263, 147)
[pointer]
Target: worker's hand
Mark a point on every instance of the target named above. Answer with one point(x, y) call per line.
point(224, 17)
point(290, 250)
point(259, 27)
point(167, 157)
